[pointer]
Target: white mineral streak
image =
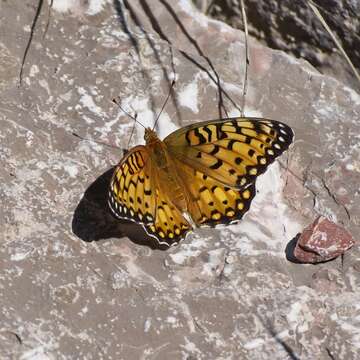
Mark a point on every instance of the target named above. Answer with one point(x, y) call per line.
point(87, 101)
point(188, 96)
point(91, 7)
point(147, 325)
point(267, 221)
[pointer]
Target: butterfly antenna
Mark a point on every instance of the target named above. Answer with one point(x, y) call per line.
point(165, 102)
point(128, 114)
point(131, 117)
point(132, 131)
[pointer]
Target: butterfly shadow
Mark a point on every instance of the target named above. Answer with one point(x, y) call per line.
point(93, 221)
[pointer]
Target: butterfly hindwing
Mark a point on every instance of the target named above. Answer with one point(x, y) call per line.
point(232, 151)
point(212, 203)
point(169, 226)
point(135, 195)
point(131, 194)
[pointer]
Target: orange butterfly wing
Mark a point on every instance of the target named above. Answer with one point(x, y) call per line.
point(135, 194)
point(232, 151)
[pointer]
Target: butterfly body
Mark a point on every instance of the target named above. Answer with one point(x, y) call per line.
point(202, 174)
point(167, 178)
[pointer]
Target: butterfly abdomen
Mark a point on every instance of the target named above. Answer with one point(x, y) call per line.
point(168, 179)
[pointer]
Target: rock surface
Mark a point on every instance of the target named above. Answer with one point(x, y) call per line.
point(321, 241)
point(293, 27)
point(74, 282)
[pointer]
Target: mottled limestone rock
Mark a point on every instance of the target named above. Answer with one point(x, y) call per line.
point(293, 27)
point(75, 283)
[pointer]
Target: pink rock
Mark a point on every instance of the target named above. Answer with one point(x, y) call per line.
point(321, 241)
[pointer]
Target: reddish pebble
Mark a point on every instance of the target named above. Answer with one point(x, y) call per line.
point(321, 241)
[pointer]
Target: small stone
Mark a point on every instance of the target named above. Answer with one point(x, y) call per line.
point(321, 241)
point(230, 259)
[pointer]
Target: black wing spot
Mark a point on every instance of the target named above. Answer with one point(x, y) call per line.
point(251, 152)
point(187, 137)
point(215, 150)
point(230, 144)
point(220, 134)
point(201, 137)
point(218, 164)
point(209, 132)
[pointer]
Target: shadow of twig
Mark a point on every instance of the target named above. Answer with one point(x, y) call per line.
point(215, 78)
point(122, 19)
point(155, 25)
point(270, 328)
point(213, 74)
point(32, 30)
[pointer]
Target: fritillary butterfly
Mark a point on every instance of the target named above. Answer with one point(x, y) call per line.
point(201, 174)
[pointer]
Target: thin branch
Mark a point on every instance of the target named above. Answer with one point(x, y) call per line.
point(316, 11)
point(247, 62)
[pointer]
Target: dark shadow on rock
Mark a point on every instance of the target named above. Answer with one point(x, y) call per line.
point(215, 76)
point(212, 73)
point(93, 221)
point(119, 8)
point(181, 26)
point(152, 44)
point(289, 250)
point(287, 348)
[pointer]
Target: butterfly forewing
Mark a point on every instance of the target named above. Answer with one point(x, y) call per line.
point(232, 151)
point(211, 202)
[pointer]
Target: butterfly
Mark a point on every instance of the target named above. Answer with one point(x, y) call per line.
point(201, 174)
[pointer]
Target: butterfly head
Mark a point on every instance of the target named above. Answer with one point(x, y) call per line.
point(150, 136)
